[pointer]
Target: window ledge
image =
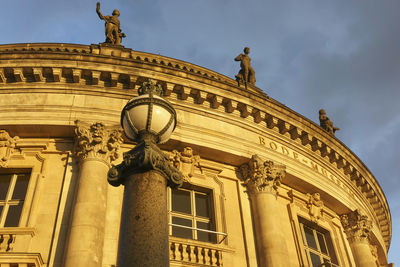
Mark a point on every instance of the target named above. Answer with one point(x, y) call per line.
point(18, 231)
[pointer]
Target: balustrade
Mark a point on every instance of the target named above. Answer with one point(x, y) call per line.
point(196, 255)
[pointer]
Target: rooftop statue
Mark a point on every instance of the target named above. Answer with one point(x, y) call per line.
point(246, 74)
point(114, 34)
point(326, 123)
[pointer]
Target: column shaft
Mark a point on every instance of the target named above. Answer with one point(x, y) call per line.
point(144, 228)
point(271, 244)
point(85, 245)
point(362, 254)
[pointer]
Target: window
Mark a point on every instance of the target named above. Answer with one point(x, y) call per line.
point(190, 214)
point(13, 186)
point(317, 244)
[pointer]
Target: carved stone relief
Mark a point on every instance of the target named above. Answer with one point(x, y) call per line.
point(97, 141)
point(262, 176)
point(184, 161)
point(356, 226)
point(7, 145)
point(315, 206)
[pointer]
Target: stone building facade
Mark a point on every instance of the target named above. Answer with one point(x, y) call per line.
point(264, 186)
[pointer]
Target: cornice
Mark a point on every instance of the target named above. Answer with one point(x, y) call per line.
point(96, 69)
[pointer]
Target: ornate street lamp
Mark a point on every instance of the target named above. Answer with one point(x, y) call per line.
point(145, 172)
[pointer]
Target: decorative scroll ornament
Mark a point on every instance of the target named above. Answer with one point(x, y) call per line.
point(7, 145)
point(184, 161)
point(315, 206)
point(145, 156)
point(356, 226)
point(262, 176)
point(96, 141)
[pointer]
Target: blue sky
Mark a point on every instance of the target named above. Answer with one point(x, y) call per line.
point(341, 55)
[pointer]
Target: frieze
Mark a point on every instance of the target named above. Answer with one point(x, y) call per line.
point(305, 161)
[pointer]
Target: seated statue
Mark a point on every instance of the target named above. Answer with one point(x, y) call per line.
point(246, 74)
point(113, 31)
point(326, 123)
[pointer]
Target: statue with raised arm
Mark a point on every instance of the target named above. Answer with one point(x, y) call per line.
point(326, 123)
point(114, 34)
point(246, 74)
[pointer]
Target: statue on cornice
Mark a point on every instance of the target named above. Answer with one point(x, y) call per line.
point(326, 123)
point(246, 74)
point(114, 34)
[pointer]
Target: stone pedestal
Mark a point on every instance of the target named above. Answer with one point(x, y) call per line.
point(262, 180)
point(357, 228)
point(143, 237)
point(95, 147)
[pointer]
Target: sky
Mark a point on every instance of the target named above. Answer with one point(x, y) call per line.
point(343, 56)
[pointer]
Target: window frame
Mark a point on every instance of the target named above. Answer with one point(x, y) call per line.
point(330, 256)
point(9, 201)
point(193, 217)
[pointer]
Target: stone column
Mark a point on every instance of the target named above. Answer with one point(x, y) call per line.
point(95, 147)
point(145, 173)
point(357, 228)
point(262, 180)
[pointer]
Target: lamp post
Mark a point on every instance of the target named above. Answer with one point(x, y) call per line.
point(145, 172)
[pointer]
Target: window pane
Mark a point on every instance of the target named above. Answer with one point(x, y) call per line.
point(181, 201)
point(5, 180)
point(204, 236)
point(179, 231)
point(321, 241)
point(13, 215)
point(1, 210)
point(316, 261)
point(21, 186)
point(202, 205)
point(327, 263)
point(310, 237)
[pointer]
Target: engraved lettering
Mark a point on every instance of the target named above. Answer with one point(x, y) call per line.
point(285, 151)
point(273, 146)
point(314, 166)
point(324, 172)
point(295, 156)
point(262, 140)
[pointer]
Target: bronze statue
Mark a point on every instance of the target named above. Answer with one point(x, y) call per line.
point(114, 34)
point(326, 123)
point(246, 74)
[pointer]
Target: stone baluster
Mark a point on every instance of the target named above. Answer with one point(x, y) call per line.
point(95, 147)
point(262, 179)
point(357, 228)
point(172, 251)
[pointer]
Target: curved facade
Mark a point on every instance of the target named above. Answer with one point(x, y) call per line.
point(265, 185)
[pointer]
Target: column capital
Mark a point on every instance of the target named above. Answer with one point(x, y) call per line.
point(262, 176)
point(356, 226)
point(145, 156)
point(96, 141)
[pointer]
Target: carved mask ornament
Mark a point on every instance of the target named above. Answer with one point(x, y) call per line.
point(7, 145)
